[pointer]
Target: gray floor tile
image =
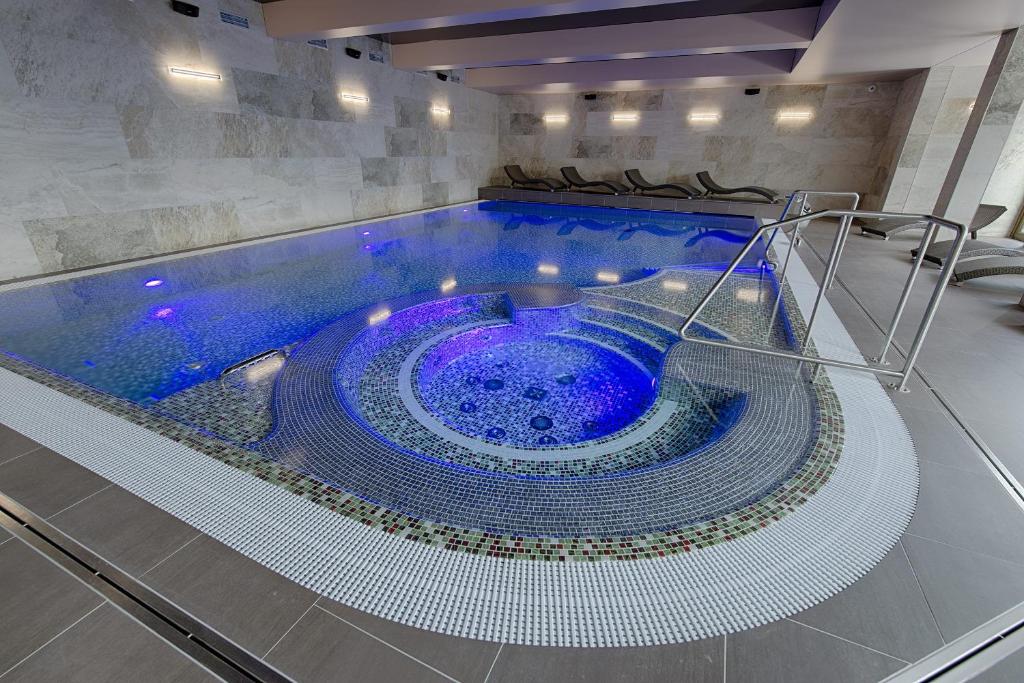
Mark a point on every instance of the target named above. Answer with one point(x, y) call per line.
point(13, 444)
point(692, 662)
point(243, 600)
point(38, 600)
point(1005, 440)
point(971, 511)
point(964, 589)
point(124, 529)
point(886, 611)
point(46, 482)
point(321, 647)
point(788, 652)
point(108, 646)
point(461, 658)
point(1009, 670)
point(938, 440)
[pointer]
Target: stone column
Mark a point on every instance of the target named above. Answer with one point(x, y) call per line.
point(988, 129)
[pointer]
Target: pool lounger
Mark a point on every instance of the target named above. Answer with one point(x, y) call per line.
point(574, 179)
point(938, 252)
point(518, 177)
point(713, 188)
point(887, 227)
point(641, 185)
point(987, 267)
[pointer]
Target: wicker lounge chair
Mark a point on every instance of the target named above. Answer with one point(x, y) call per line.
point(987, 267)
point(575, 180)
point(713, 188)
point(520, 179)
point(887, 227)
point(641, 185)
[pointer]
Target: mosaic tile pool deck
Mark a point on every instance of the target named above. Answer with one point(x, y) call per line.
point(724, 450)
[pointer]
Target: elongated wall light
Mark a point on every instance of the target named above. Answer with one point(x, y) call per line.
point(625, 116)
point(352, 97)
point(794, 116)
point(440, 110)
point(192, 73)
point(704, 117)
point(555, 118)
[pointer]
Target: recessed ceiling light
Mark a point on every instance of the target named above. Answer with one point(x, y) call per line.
point(192, 73)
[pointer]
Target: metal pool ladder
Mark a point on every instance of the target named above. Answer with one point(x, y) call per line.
point(845, 217)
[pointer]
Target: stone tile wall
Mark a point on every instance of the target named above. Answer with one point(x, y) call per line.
point(106, 156)
point(840, 148)
point(938, 120)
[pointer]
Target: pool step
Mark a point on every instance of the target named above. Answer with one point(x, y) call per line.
point(641, 350)
point(640, 328)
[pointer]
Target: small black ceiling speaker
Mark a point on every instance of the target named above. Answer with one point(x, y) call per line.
point(184, 8)
point(353, 53)
point(441, 76)
point(752, 91)
point(590, 96)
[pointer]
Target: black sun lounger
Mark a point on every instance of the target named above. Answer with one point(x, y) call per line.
point(987, 267)
point(518, 178)
point(641, 185)
point(576, 180)
point(986, 214)
point(713, 188)
point(887, 227)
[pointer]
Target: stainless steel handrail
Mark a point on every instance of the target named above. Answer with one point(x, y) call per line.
point(846, 217)
point(802, 210)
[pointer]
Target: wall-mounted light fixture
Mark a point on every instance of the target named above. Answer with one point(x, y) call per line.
point(608, 276)
point(794, 116)
point(192, 73)
point(625, 116)
point(704, 117)
point(353, 97)
point(440, 110)
point(547, 269)
point(555, 118)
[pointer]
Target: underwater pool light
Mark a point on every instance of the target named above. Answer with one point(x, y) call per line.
point(449, 284)
point(547, 269)
point(608, 276)
point(379, 316)
point(748, 295)
point(162, 313)
point(153, 283)
point(675, 285)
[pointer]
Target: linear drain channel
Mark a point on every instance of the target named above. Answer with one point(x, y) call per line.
point(183, 631)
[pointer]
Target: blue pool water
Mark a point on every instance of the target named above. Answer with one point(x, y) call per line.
point(146, 332)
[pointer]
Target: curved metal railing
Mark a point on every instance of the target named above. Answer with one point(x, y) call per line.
point(846, 217)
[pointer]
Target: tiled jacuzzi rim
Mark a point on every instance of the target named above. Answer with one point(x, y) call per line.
point(725, 587)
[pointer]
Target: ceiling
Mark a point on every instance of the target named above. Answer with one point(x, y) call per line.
point(513, 46)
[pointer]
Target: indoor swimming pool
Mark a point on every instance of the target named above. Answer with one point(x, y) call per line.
point(441, 394)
